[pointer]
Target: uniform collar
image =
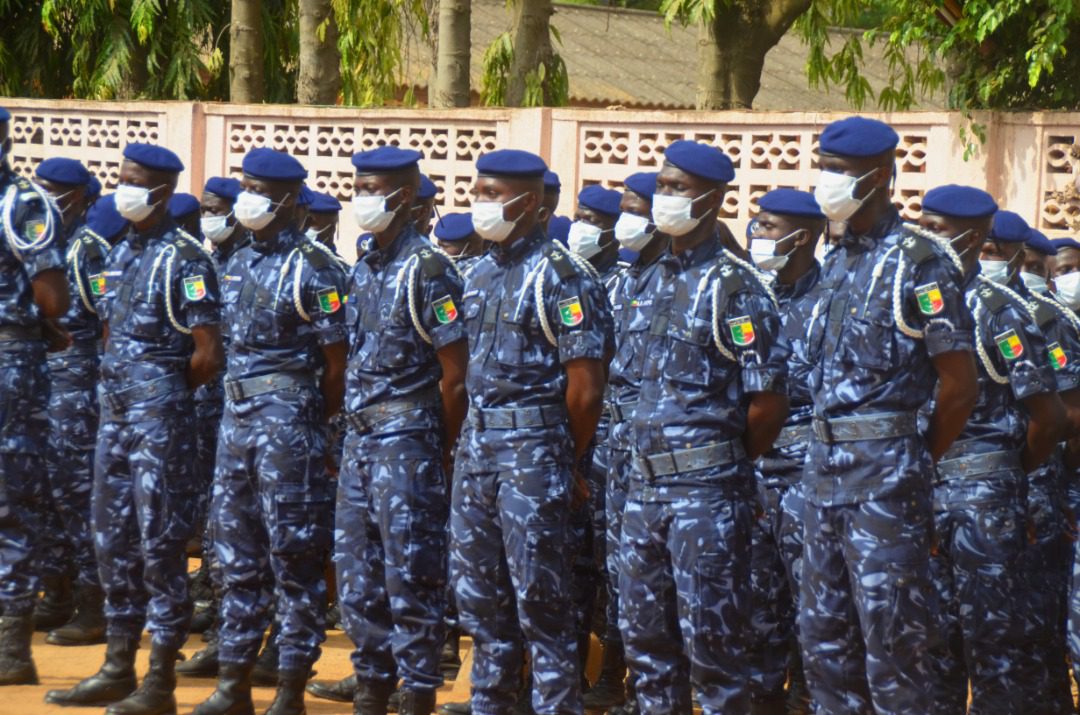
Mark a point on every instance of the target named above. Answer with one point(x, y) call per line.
point(885, 226)
point(285, 240)
point(802, 284)
point(606, 260)
point(139, 240)
point(504, 253)
point(224, 251)
point(702, 253)
point(378, 258)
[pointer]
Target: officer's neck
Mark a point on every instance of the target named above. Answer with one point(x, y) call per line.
point(870, 213)
point(273, 229)
point(151, 223)
point(656, 245)
point(690, 241)
point(386, 238)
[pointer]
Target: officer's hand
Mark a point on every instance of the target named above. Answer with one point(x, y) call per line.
point(58, 339)
point(580, 493)
point(331, 466)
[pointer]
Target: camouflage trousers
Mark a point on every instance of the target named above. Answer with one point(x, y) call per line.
point(587, 535)
point(685, 599)
point(73, 425)
point(508, 556)
point(206, 442)
point(390, 554)
point(143, 510)
point(271, 520)
point(619, 464)
point(867, 607)
point(976, 566)
point(776, 565)
point(1073, 626)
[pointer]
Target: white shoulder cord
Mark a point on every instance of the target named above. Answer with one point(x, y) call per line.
point(716, 333)
point(987, 364)
point(341, 263)
point(875, 275)
point(168, 256)
point(7, 208)
point(297, 289)
point(941, 243)
point(702, 287)
point(1061, 310)
point(541, 309)
point(410, 297)
point(898, 302)
point(1012, 294)
point(73, 256)
point(757, 274)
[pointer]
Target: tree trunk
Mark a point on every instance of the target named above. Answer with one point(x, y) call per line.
point(732, 49)
point(450, 87)
point(246, 82)
point(319, 79)
point(532, 45)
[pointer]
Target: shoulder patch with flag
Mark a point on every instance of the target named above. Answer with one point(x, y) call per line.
point(195, 288)
point(929, 297)
point(445, 310)
point(1009, 344)
point(97, 284)
point(34, 229)
point(1058, 359)
point(570, 311)
point(742, 331)
point(329, 300)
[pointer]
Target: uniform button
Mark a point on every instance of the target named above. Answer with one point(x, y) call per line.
point(854, 311)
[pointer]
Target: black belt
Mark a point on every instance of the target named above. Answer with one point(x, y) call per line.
point(976, 465)
point(365, 420)
point(518, 417)
point(239, 390)
point(82, 347)
point(795, 434)
point(10, 333)
point(662, 464)
point(881, 425)
point(622, 411)
point(121, 400)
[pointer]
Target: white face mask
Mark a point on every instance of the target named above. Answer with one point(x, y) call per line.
point(216, 228)
point(253, 211)
point(997, 271)
point(674, 214)
point(584, 239)
point(371, 214)
point(1034, 282)
point(1068, 289)
point(632, 231)
point(835, 194)
point(488, 221)
point(763, 251)
point(133, 202)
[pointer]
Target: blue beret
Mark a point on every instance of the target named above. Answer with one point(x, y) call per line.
point(103, 219)
point(385, 158)
point(265, 163)
point(428, 189)
point(551, 181)
point(1061, 243)
point(225, 188)
point(599, 199)
point(5, 115)
point(93, 187)
point(559, 229)
point(1009, 227)
point(791, 202)
point(154, 157)
point(643, 184)
point(702, 160)
point(511, 162)
point(63, 171)
point(858, 137)
point(323, 203)
point(454, 227)
point(959, 201)
point(1037, 241)
point(182, 204)
point(305, 197)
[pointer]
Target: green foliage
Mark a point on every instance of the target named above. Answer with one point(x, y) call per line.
point(374, 47)
point(548, 85)
point(498, 58)
point(281, 49)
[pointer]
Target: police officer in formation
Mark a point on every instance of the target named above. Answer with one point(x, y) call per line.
point(860, 467)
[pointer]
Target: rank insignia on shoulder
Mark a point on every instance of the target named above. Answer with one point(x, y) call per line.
point(570, 311)
point(445, 310)
point(1009, 344)
point(33, 230)
point(329, 301)
point(742, 331)
point(97, 284)
point(929, 297)
point(195, 288)
point(1058, 359)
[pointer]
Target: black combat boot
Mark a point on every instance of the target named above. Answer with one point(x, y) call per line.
point(87, 626)
point(16, 664)
point(157, 693)
point(204, 664)
point(416, 702)
point(266, 665)
point(610, 689)
point(56, 605)
point(233, 694)
point(456, 709)
point(343, 691)
point(450, 660)
point(289, 698)
point(114, 681)
point(372, 696)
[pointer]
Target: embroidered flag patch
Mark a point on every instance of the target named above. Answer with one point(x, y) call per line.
point(97, 284)
point(329, 300)
point(195, 288)
point(929, 297)
point(742, 331)
point(445, 310)
point(570, 311)
point(1058, 358)
point(1009, 344)
point(33, 230)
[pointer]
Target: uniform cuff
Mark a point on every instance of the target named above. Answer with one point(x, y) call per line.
point(947, 341)
point(332, 334)
point(757, 378)
point(196, 317)
point(573, 346)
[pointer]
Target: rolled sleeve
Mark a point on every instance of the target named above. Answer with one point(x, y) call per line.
point(764, 361)
point(197, 293)
point(580, 316)
point(950, 328)
point(1031, 374)
point(324, 298)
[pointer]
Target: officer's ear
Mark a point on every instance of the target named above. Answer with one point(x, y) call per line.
point(542, 214)
point(803, 237)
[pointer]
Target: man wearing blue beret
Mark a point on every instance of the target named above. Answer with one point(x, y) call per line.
point(980, 481)
point(454, 233)
point(103, 219)
point(272, 501)
point(73, 411)
point(712, 399)
point(161, 310)
point(1035, 268)
point(423, 210)
point(321, 223)
point(33, 291)
point(890, 325)
point(539, 329)
point(1045, 561)
point(404, 405)
point(1066, 272)
point(785, 235)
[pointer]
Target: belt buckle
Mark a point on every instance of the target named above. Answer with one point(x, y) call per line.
point(823, 431)
point(234, 391)
point(114, 404)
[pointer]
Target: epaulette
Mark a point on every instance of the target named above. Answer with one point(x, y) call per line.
point(188, 247)
point(994, 300)
point(316, 259)
point(92, 243)
point(430, 264)
point(917, 248)
point(730, 279)
point(1044, 315)
point(562, 264)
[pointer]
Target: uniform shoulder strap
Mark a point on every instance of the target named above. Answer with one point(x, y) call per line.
point(995, 300)
point(1044, 315)
point(564, 267)
point(188, 246)
point(918, 249)
point(316, 258)
point(92, 243)
point(430, 264)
